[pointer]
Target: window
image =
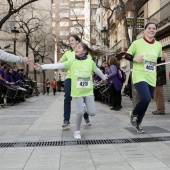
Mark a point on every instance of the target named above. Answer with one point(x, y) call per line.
point(77, 12)
point(64, 24)
point(93, 12)
point(77, 22)
point(76, 30)
point(64, 33)
point(53, 6)
point(62, 15)
point(77, 5)
point(53, 24)
point(64, 5)
point(53, 15)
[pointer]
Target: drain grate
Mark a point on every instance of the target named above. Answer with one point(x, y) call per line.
point(84, 142)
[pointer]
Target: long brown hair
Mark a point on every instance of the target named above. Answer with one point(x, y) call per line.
point(76, 37)
point(113, 61)
point(92, 52)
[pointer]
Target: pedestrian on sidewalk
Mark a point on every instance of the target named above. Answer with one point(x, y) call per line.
point(144, 53)
point(158, 93)
point(115, 85)
point(10, 80)
point(81, 69)
point(69, 55)
point(47, 85)
point(54, 85)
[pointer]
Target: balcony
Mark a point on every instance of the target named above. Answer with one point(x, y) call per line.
point(162, 19)
point(129, 6)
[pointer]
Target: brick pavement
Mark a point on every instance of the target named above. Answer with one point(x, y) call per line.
point(40, 119)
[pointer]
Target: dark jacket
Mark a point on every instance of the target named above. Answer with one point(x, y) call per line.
point(9, 78)
point(161, 75)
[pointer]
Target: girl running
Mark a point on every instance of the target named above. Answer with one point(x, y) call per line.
point(69, 55)
point(81, 69)
point(144, 53)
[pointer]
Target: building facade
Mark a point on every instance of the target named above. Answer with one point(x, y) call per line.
point(70, 17)
point(148, 11)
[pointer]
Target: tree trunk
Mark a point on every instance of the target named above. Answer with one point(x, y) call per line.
point(134, 34)
point(123, 11)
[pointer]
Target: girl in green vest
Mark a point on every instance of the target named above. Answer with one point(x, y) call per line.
point(69, 55)
point(81, 69)
point(145, 53)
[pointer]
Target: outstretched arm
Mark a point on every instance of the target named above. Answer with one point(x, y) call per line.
point(13, 58)
point(100, 74)
point(58, 66)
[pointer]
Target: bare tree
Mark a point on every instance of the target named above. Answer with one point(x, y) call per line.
point(13, 8)
point(42, 45)
point(28, 25)
point(134, 7)
point(107, 6)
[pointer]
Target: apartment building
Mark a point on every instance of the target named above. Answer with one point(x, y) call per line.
point(69, 17)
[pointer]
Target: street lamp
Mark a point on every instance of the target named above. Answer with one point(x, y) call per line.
point(104, 34)
point(14, 34)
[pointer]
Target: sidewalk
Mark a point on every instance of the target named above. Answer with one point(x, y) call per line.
point(40, 119)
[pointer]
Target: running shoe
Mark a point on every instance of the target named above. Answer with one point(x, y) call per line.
point(66, 123)
point(133, 119)
point(139, 129)
point(77, 135)
point(87, 122)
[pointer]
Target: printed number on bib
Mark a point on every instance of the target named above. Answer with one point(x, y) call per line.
point(150, 66)
point(83, 82)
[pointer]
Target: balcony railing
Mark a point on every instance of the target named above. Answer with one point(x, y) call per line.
point(162, 16)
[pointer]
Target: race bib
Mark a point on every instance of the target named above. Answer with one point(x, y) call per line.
point(150, 66)
point(83, 82)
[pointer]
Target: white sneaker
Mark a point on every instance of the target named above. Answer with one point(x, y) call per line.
point(77, 135)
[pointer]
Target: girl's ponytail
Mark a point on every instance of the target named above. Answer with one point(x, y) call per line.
point(92, 52)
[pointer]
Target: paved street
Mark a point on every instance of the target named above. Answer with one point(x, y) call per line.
point(40, 119)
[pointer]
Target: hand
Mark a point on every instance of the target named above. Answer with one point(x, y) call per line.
point(29, 61)
point(164, 56)
point(6, 82)
point(105, 81)
point(106, 76)
point(139, 59)
point(37, 66)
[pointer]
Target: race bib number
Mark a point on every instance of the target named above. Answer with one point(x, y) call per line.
point(83, 82)
point(150, 66)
